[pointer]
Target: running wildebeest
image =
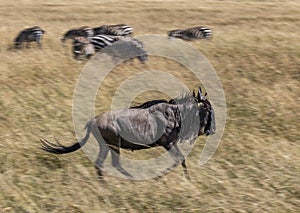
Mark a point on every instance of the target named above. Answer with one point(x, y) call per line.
point(29, 35)
point(160, 124)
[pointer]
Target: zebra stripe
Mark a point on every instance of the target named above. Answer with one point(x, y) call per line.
point(114, 30)
point(101, 41)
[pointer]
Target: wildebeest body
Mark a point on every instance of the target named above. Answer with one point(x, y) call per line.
point(127, 125)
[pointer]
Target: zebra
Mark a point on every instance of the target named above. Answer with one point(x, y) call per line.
point(29, 35)
point(84, 31)
point(114, 30)
point(191, 33)
point(86, 47)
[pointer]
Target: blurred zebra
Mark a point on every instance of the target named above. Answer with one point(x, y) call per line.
point(114, 30)
point(29, 35)
point(81, 31)
point(85, 47)
point(191, 33)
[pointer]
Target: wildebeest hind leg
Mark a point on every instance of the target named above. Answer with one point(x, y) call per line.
point(100, 160)
point(186, 173)
point(115, 154)
point(182, 159)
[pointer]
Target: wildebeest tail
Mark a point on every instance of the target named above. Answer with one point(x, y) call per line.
point(61, 149)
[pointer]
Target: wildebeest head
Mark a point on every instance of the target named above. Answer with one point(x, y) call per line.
point(207, 115)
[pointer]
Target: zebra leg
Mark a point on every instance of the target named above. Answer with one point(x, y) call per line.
point(100, 159)
point(115, 153)
point(38, 41)
point(40, 45)
point(18, 45)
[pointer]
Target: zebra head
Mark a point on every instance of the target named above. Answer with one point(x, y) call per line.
point(175, 33)
point(82, 48)
point(84, 31)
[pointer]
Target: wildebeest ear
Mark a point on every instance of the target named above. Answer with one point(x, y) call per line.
point(194, 94)
point(205, 94)
point(200, 90)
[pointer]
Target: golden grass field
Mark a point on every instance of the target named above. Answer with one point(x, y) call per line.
point(255, 50)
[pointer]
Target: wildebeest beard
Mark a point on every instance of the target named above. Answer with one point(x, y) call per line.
point(210, 127)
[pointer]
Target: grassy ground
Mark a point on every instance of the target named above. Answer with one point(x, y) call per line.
point(255, 51)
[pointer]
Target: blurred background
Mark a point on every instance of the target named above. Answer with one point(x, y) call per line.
point(255, 50)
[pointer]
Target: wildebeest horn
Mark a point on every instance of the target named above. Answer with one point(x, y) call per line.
point(200, 91)
point(199, 97)
point(194, 94)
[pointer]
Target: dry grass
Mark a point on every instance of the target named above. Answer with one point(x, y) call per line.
point(255, 51)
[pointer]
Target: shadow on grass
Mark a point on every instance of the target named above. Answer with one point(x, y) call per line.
point(50, 161)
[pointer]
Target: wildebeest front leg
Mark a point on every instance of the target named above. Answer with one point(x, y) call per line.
point(115, 154)
point(181, 156)
point(178, 157)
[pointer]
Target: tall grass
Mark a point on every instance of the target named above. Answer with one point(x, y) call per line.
point(255, 51)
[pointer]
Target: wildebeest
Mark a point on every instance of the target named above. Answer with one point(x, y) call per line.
point(29, 35)
point(160, 124)
point(191, 33)
point(84, 31)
